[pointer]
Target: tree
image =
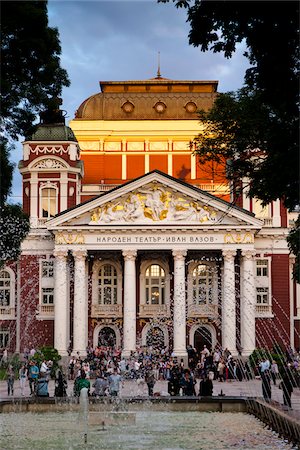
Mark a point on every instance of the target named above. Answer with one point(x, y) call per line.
point(271, 33)
point(31, 77)
point(30, 68)
point(294, 246)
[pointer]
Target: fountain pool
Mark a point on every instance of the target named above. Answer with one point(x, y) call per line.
point(159, 430)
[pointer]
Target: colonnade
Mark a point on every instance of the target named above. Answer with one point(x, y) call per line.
point(80, 316)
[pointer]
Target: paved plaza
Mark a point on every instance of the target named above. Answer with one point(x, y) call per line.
point(139, 389)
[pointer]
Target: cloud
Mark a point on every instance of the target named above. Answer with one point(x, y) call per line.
point(120, 40)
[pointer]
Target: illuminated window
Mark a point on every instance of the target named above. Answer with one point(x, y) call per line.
point(202, 284)
point(262, 268)
point(4, 338)
point(47, 269)
point(155, 285)
point(107, 285)
point(48, 202)
point(262, 296)
point(47, 296)
point(5, 288)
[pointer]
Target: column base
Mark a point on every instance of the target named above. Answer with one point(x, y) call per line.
point(127, 353)
point(79, 353)
point(247, 352)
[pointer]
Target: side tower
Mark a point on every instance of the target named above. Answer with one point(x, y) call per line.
point(51, 169)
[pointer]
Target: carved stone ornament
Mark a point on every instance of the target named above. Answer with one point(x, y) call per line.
point(153, 203)
point(179, 254)
point(49, 164)
point(79, 254)
point(69, 238)
point(228, 255)
point(128, 107)
point(248, 254)
point(239, 238)
point(129, 255)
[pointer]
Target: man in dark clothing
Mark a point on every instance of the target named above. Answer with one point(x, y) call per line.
point(206, 387)
point(150, 379)
point(174, 381)
point(187, 383)
point(287, 386)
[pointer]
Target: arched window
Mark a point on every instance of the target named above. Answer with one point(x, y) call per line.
point(155, 285)
point(5, 288)
point(202, 285)
point(107, 285)
point(48, 202)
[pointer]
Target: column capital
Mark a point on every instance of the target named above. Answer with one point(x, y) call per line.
point(179, 254)
point(292, 259)
point(248, 254)
point(129, 255)
point(60, 253)
point(228, 254)
point(79, 254)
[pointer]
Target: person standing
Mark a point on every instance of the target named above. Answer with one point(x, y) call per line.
point(206, 387)
point(187, 383)
point(114, 381)
point(81, 382)
point(287, 386)
point(33, 374)
point(150, 379)
point(10, 377)
point(274, 371)
point(265, 379)
point(23, 372)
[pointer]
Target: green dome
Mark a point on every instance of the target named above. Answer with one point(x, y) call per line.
point(53, 132)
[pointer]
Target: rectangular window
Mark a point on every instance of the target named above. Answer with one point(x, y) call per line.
point(262, 268)
point(4, 338)
point(47, 296)
point(47, 269)
point(262, 296)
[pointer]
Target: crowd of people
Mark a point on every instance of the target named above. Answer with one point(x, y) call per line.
point(103, 371)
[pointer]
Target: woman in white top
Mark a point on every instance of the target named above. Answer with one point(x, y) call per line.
point(22, 377)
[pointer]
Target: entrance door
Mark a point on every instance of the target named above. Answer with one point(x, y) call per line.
point(155, 338)
point(202, 337)
point(107, 337)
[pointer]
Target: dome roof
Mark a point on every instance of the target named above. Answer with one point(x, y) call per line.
point(53, 132)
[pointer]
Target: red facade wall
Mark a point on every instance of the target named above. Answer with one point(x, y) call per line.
point(158, 162)
point(33, 332)
point(182, 167)
point(135, 166)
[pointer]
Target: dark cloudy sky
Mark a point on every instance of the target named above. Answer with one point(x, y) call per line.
point(120, 40)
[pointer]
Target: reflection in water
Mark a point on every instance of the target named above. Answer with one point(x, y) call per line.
point(152, 430)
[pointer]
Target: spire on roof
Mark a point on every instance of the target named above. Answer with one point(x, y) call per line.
point(158, 67)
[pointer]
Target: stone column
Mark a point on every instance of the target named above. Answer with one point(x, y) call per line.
point(129, 312)
point(248, 302)
point(61, 303)
point(228, 303)
point(179, 321)
point(80, 319)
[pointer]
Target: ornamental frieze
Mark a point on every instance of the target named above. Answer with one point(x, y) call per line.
point(154, 203)
point(69, 238)
point(238, 238)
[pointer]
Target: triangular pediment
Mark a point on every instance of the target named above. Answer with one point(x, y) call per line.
point(155, 200)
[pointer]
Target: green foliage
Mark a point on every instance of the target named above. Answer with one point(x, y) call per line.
point(6, 172)
point(270, 31)
point(30, 68)
point(49, 354)
point(14, 225)
point(293, 240)
point(276, 354)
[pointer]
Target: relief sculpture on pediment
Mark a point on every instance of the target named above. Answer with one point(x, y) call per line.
point(153, 203)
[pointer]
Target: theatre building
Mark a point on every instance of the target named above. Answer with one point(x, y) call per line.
point(134, 243)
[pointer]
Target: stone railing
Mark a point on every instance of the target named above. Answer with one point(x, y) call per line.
point(263, 311)
point(154, 311)
point(106, 311)
point(202, 311)
point(46, 311)
point(6, 312)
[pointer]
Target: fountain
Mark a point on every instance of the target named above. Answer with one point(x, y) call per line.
point(134, 423)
